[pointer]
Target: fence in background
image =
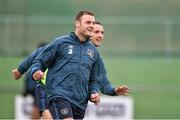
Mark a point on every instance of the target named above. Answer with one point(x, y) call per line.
point(131, 28)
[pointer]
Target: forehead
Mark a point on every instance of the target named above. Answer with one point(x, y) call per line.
point(88, 17)
point(98, 27)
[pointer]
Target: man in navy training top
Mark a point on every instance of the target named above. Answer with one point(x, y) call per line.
point(72, 63)
point(31, 85)
point(104, 84)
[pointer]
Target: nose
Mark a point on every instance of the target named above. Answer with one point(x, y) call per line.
point(101, 35)
point(91, 24)
point(91, 27)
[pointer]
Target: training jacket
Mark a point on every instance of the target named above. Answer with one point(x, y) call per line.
point(25, 65)
point(72, 69)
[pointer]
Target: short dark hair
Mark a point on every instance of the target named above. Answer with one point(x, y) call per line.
point(84, 12)
point(97, 22)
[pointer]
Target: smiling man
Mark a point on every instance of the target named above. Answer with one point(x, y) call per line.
point(72, 63)
point(104, 84)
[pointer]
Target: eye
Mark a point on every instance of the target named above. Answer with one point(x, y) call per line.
point(96, 32)
point(88, 22)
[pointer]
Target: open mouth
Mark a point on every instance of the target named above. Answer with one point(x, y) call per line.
point(90, 29)
point(99, 39)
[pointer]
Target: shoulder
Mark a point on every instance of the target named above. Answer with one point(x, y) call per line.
point(60, 40)
point(40, 49)
point(92, 46)
point(68, 38)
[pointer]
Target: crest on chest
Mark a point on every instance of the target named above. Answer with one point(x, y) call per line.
point(90, 53)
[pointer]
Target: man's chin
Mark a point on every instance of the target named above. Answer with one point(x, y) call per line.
point(98, 45)
point(90, 34)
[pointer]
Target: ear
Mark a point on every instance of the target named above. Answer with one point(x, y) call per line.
point(77, 24)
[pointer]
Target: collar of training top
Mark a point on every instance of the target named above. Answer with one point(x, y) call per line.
point(73, 35)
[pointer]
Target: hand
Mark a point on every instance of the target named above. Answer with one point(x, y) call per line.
point(38, 75)
point(122, 90)
point(47, 115)
point(16, 74)
point(95, 98)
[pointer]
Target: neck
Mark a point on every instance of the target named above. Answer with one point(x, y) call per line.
point(81, 37)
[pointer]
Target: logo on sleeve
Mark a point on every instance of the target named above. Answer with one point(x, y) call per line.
point(90, 53)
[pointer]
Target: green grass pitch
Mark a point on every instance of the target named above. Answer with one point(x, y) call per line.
point(154, 84)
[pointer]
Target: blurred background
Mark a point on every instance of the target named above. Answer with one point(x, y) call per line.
point(141, 47)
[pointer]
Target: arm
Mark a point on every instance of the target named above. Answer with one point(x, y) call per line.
point(93, 84)
point(105, 85)
point(94, 77)
point(120, 90)
point(43, 61)
point(108, 89)
point(25, 64)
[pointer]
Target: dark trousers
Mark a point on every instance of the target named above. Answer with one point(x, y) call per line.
point(61, 109)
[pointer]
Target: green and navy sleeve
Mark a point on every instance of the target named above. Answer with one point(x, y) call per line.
point(43, 81)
